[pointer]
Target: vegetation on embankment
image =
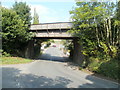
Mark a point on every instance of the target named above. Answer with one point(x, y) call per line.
point(13, 60)
point(97, 24)
point(108, 68)
point(15, 26)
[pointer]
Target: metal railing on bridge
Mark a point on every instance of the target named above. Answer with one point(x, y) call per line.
point(48, 26)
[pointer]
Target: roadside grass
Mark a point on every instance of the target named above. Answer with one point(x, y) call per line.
point(13, 60)
point(108, 68)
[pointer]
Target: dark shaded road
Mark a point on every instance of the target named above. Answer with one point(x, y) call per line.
point(53, 54)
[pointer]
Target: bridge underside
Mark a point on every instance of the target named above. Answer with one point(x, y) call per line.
point(52, 34)
point(54, 37)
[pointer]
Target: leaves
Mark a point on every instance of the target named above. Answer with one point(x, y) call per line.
point(98, 28)
point(35, 18)
point(23, 10)
point(14, 33)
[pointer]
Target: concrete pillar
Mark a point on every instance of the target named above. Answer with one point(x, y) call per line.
point(78, 57)
point(29, 52)
point(37, 49)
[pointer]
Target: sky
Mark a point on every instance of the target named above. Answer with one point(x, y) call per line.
point(49, 11)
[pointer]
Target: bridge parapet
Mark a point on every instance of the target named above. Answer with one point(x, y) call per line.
point(47, 26)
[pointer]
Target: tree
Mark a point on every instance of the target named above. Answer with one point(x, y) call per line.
point(97, 24)
point(23, 10)
point(14, 34)
point(118, 18)
point(93, 23)
point(118, 10)
point(117, 26)
point(35, 18)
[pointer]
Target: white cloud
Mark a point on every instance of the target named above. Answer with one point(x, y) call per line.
point(38, 0)
point(5, 6)
point(41, 10)
point(47, 15)
point(57, 0)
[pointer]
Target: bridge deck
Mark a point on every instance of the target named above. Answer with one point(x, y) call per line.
point(52, 30)
point(48, 26)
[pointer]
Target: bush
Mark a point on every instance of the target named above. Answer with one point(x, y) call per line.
point(107, 67)
point(5, 54)
point(94, 64)
point(48, 44)
point(110, 69)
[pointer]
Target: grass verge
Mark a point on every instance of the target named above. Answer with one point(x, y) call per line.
point(13, 60)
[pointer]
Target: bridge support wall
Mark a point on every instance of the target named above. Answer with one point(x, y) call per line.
point(29, 52)
point(78, 57)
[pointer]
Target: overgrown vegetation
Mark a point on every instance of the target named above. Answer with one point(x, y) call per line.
point(36, 17)
point(48, 42)
point(97, 24)
point(68, 47)
point(15, 25)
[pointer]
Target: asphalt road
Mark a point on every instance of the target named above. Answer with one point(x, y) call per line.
point(50, 72)
point(53, 54)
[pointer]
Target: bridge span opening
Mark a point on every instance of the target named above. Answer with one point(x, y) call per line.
point(57, 30)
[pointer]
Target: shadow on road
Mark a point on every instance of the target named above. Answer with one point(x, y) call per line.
point(12, 78)
point(99, 83)
point(50, 57)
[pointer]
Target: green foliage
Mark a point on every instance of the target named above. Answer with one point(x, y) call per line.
point(68, 44)
point(23, 10)
point(14, 34)
point(5, 54)
point(68, 47)
point(110, 68)
point(35, 18)
point(105, 48)
point(80, 68)
point(48, 44)
point(94, 64)
point(97, 26)
point(118, 11)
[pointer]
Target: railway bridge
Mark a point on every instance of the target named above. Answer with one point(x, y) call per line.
point(52, 30)
point(55, 31)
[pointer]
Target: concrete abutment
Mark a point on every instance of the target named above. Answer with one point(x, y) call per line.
point(78, 57)
point(32, 50)
point(29, 51)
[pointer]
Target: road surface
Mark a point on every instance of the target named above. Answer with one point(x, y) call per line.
point(50, 73)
